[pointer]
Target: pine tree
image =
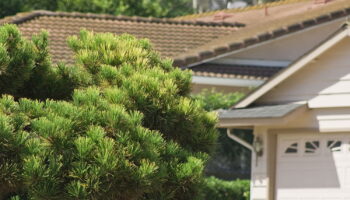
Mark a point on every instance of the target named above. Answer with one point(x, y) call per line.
point(118, 124)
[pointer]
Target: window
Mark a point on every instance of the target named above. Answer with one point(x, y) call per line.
point(312, 147)
point(334, 145)
point(292, 149)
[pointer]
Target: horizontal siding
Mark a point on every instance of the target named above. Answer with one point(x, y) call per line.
point(325, 82)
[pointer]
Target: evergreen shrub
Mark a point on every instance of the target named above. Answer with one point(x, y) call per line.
point(117, 124)
point(217, 189)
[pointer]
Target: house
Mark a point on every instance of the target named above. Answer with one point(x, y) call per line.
point(301, 123)
point(229, 51)
point(251, 55)
point(259, 47)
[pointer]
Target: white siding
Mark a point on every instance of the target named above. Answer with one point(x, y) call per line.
point(325, 82)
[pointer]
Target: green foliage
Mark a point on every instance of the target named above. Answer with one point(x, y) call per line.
point(216, 189)
point(10, 7)
point(154, 8)
point(119, 124)
point(212, 100)
point(231, 160)
point(26, 69)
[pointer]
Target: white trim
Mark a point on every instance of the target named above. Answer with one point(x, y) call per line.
point(263, 43)
point(303, 61)
point(255, 62)
point(226, 81)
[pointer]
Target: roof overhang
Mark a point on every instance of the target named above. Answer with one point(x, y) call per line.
point(205, 55)
point(262, 115)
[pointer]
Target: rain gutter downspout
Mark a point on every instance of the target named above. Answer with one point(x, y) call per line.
point(239, 140)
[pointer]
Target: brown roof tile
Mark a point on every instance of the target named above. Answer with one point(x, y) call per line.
point(169, 37)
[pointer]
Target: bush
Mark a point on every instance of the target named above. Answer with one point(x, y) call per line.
point(231, 160)
point(212, 100)
point(216, 189)
point(119, 124)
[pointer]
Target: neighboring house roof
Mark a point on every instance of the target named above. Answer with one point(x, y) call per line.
point(291, 17)
point(340, 34)
point(270, 111)
point(169, 37)
point(189, 43)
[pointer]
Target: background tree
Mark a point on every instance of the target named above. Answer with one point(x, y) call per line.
point(230, 160)
point(154, 8)
point(10, 7)
point(119, 124)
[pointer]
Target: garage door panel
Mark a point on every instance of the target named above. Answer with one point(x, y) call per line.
point(313, 166)
point(310, 178)
point(347, 177)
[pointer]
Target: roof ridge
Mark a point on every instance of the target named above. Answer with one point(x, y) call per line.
point(26, 16)
point(235, 10)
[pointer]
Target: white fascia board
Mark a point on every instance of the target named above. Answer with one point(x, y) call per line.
point(292, 69)
point(255, 62)
point(226, 81)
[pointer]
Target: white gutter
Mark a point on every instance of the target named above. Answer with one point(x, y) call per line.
point(226, 81)
point(239, 140)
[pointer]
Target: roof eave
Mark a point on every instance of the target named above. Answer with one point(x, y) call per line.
point(207, 55)
point(268, 121)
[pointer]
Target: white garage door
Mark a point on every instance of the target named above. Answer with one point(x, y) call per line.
point(313, 167)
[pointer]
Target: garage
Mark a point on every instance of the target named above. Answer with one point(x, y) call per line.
point(313, 166)
point(301, 124)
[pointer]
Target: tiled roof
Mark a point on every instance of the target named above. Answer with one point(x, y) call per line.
point(189, 43)
point(239, 10)
point(235, 71)
point(169, 37)
point(269, 111)
point(289, 18)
